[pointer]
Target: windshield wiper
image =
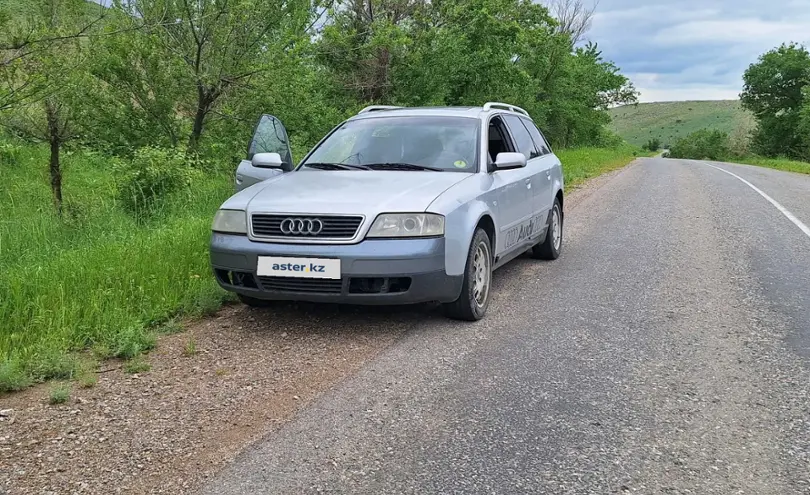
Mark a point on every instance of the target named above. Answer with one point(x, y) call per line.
point(402, 166)
point(336, 166)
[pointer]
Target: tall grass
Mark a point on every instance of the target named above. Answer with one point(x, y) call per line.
point(96, 277)
point(581, 164)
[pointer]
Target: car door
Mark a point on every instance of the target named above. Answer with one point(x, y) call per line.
point(547, 162)
point(512, 190)
point(269, 136)
point(534, 165)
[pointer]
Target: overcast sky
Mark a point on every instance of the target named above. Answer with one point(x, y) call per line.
point(692, 49)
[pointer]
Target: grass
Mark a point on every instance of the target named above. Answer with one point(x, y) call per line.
point(581, 164)
point(96, 278)
point(137, 365)
point(669, 121)
point(776, 163)
point(190, 349)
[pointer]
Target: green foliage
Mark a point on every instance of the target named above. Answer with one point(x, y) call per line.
point(13, 376)
point(774, 91)
point(147, 181)
point(59, 394)
point(653, 144)
point(466, 53)
point(705, 144)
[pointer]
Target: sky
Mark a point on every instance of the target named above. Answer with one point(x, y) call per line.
point(692, 49)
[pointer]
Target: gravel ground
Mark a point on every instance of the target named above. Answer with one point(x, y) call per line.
point(166, 430)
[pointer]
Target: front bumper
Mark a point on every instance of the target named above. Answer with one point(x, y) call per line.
point(390, 271)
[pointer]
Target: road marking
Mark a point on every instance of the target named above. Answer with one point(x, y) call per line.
point(790, 216)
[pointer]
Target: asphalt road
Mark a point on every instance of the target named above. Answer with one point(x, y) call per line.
point(666, 351)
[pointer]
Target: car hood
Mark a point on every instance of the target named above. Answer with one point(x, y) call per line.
point(351, 192)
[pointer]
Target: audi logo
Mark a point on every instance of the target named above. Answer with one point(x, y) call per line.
point(301, 226)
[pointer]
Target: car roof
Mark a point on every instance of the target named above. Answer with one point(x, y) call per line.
point(447, 111)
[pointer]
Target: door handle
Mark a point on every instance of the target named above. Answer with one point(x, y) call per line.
point(528, 183)
point(548, 174)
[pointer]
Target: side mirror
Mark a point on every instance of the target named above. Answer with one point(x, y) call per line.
point(267, 160)
point(506, 161)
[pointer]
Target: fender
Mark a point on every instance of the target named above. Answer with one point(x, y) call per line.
point(459, 230)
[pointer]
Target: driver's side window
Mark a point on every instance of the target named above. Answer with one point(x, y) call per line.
point(498, 140)
point(270, 136)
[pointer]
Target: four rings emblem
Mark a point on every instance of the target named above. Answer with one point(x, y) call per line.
point(301, 226)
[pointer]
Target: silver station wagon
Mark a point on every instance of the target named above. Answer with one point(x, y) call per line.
point(394, 206)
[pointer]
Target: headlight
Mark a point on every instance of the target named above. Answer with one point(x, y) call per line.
point(407, 225)
point(230, 221)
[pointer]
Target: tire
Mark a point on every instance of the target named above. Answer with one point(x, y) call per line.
point(253, 302)
point(471, 305)
point(551, 247)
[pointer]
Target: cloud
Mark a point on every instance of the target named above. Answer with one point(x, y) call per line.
point(748, 31)
point(694, 49)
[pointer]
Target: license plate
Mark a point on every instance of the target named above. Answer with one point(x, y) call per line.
point(272, 266)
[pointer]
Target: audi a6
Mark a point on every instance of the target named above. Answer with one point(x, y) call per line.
point(393, 206)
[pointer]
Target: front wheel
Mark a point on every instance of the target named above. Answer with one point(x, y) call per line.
point(473, 301)
point(550, 248)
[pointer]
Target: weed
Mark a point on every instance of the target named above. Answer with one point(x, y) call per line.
point(190, 348)
point(86, 375)
point(59, 394)
point(12, 376)
point(137, 365)
point(87, 380)
point(132, 342)
point(171, 327)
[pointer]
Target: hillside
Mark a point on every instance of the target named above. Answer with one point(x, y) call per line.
point(669, 121)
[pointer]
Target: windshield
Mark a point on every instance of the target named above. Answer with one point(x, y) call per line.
point(443, 143)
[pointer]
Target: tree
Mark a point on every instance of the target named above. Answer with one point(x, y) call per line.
point(138, 98)
point(26, 30)
point(51, 117)
point(773, 92)
point(574, 18)
point(217, 43)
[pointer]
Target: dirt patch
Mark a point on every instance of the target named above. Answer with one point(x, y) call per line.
point(166, 430)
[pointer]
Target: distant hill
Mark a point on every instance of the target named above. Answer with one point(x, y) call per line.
point(669, 121)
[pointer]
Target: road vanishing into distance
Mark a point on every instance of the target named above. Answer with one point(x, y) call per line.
point(666, 351)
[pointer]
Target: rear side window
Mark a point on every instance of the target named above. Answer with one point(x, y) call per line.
point(523, 140)
point(539, 140)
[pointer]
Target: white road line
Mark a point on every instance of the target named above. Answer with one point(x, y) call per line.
point(804, 228)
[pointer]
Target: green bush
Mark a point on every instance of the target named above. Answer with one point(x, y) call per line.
point(653, 144)
point(150, 177)
point(704, 144)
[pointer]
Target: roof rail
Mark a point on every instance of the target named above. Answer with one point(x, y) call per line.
point(374, 108)
point(505, 106)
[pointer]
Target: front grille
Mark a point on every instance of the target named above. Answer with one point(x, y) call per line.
point(307, 285)
point(334, 227)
